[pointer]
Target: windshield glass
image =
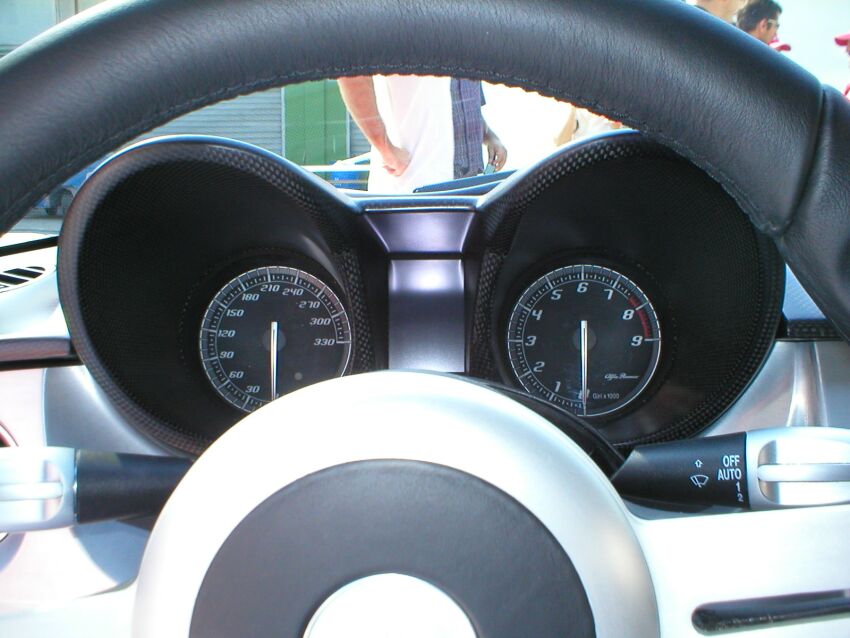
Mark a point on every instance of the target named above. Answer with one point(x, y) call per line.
point(403, 134)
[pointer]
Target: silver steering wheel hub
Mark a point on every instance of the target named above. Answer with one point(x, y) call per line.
point(449, 488)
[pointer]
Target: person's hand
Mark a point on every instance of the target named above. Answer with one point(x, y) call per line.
point(497, 154)
point(396, 159)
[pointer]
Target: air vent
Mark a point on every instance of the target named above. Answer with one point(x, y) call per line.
point(18, 276)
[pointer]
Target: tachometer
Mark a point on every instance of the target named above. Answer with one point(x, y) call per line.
point(584, 337)
point(270, 331)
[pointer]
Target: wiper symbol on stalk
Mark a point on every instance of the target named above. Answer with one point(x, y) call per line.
point(699, 480)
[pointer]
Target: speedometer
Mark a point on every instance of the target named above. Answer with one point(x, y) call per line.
point(270, 331)
point(584, 337)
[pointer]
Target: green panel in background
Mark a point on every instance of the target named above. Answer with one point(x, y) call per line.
point(336, 132)
point(315, 120)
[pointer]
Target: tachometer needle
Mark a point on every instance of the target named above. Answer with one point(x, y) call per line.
point(273, 358)
point(584, 367)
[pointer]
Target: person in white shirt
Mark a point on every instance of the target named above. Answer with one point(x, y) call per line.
point(423, 129)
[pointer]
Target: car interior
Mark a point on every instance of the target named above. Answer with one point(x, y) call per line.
point(604, 394)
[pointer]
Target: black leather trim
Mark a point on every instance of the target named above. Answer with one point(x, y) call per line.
point(750, 118)
point(36, 351)
point(737, 615)
point(817, 244)
point(27, 246)
point(808, 330)
point(132, 65)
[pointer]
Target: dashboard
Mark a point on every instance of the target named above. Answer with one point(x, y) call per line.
point(200, 278)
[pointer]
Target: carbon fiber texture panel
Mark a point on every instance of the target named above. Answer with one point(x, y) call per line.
point(150, 239)
point(628, 203)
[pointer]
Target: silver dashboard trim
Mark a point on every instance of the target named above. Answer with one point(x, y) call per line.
point(32, 310)
point(427, 329)
point(720, 557)
point(699, 559)
point(43, 569)
point(37, 488)
point(798, 304)
point(78, 414)
point(800, 384)
point(107, 615)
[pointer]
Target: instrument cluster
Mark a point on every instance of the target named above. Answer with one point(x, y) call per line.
point(614, 281)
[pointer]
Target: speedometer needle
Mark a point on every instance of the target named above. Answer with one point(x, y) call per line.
point(584, 367)
point(273, 358)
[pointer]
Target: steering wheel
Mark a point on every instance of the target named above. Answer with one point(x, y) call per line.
point(438, 495)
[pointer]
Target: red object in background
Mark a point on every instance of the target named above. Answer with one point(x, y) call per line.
point(777, 45)
point(843, 41)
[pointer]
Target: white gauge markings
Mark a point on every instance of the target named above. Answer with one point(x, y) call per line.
point(272, 330)
point(574, 342)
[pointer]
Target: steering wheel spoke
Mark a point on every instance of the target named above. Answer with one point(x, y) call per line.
point(421, 474)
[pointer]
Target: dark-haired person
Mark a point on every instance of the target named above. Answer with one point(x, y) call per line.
point(723, 9)
point(760, 18)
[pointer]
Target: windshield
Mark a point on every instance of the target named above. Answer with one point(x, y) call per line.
point(403, 134)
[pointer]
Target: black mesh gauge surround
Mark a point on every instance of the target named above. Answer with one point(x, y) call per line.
point(155, 233)
point(626, 202)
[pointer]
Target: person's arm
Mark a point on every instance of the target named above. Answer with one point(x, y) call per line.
point(568, 131)
point(497, 154)
point(358, 93)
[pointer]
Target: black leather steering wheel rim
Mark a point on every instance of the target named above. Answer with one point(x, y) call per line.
point(765, 129)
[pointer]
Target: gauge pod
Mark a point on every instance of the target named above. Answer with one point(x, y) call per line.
point(270, 331)
point(204, 213)
point(584, 337)
point(624, 203)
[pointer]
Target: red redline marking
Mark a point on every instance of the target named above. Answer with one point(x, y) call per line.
point(644, 319)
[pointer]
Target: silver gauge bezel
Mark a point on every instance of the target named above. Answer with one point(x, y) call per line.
point(320, 290)
point(621, 284)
